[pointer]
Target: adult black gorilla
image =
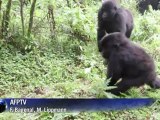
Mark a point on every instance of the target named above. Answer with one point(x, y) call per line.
point(111, 19)
point(143, 5)
point(128, 62)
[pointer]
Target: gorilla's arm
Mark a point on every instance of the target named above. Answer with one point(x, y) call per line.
point(114, 70)
point(100, 30)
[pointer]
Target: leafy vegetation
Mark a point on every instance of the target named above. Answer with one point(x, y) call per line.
point(59, 57)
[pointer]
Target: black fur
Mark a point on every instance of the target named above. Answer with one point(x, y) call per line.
point(127, 61)
point(111, 19)
point(143, 5)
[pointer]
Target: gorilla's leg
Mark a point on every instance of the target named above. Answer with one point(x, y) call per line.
point(126, 84)
point(155, 83)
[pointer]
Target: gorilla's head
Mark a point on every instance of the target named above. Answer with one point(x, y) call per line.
point(109, 8)
point(112, 43)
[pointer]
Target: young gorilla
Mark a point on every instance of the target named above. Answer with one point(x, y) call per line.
point(113, 19)
point(127, 61)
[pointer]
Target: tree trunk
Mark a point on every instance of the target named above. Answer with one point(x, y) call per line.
point(68, 3)
point(31, 18)
point(51, 20)
point(22, 18)
point(0, 5)
point(6, 18)
point(0, 19)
